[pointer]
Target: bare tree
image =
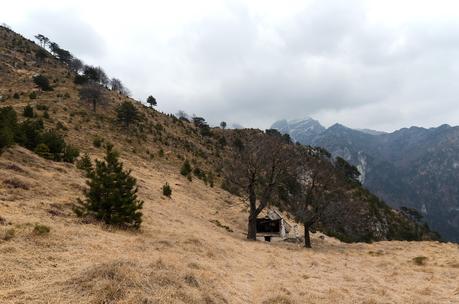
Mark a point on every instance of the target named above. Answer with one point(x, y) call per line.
point(316, 184)
point(96, 74)
point(76, 65)
point(103, 78)
point(257, 166)
point(117, 86)
point(93, 94)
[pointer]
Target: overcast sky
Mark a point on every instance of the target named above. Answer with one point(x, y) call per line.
point(366, 64)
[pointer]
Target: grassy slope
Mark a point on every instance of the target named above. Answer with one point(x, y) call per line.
point(179, 256)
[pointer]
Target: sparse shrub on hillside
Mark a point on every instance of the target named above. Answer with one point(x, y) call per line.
point(16, 183)
point(218, 224)
point(71, 153)
point(8, 127)
point(199, 173)
point(8, 234)
point(6, 138)
point(112, 194)
point(29, 133)
point(127, 113)
point(97, 142)
point(186, 169)
point(48, 144)
point(42, 82)
point(28, 111)
point(167, 190)
point(43, 151)
point(55, 143)
point(42, 107)
point(46, 115)
point(16, 95)
point(85, 164)
point(420, 260)
point(210, 179)
point(278, 300)
point(33, 95)
point(60, 126)
point(161, 152)
point(41, 229)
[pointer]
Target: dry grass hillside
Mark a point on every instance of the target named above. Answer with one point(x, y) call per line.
point(181, 255)
point(191, 248)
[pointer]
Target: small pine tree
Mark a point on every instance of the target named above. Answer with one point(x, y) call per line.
point(33, 95)
point(28, 111)
point(8, 127)
point(167, 190)
point(186, 168)
point(42, 82)
point(85, 164)
point(43, 151)
point(70, 153)
point(112, 194)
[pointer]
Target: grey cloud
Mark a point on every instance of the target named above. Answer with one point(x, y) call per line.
point(332, 59)
point(67, 29)
point(329, 61)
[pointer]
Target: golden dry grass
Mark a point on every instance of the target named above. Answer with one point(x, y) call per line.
point(181, 255)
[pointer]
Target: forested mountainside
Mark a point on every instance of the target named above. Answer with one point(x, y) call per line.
point(412, 167)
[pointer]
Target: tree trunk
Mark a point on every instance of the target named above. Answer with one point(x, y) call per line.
point(252, 223)
point(94, 106)
point(252, 228)
point(307, 237)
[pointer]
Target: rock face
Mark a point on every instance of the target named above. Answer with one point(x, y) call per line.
point(300, 130)
point(412, 167)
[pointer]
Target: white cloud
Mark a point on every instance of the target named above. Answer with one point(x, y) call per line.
point(373, 64)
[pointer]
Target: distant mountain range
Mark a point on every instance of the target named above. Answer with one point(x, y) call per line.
point(411, 167)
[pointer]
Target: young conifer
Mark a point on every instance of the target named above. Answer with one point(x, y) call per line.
point(112, 194)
